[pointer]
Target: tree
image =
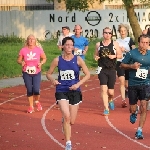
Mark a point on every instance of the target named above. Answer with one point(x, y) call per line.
point(83, 5)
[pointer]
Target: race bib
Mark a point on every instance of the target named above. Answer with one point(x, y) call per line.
point(98, 70)
point(67, 75)
point(31, 70)
point(142, 73)
point(78, 52)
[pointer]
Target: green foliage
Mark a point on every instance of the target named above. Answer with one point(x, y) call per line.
point(9, 53)
point(10, 39)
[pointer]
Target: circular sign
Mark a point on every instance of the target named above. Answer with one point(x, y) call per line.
point(93, 18)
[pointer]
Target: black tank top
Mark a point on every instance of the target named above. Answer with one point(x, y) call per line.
point(105, 62)
point(148, 32)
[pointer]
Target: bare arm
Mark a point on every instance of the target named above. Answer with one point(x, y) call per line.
point(85, 50)
point(96, 55)
point(144, 31)
point(49, 73)
point(20, 60)
point(43, 60)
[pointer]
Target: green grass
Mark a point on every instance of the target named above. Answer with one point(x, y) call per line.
point(9, 52)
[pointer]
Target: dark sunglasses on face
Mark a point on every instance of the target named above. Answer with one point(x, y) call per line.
point(107, 32)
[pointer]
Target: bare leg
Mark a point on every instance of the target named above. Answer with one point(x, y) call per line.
point(104, 96)
point(30, 98)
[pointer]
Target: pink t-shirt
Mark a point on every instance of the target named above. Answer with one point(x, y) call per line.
point(31, 59)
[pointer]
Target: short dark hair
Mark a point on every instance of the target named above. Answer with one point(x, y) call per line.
point(66, 39)
point(143, 36)
point(66, 27)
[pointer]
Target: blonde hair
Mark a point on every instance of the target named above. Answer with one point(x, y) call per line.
point(123, 25)
point(36, 42)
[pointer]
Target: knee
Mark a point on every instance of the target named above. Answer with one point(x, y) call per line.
point(67, 119)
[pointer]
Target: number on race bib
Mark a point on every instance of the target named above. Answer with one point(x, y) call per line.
point(98, 70)
point(31, 70)
point(78, 52)
point(67, 75)
point(142, 73)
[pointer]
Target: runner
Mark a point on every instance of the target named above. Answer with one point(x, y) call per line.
point(68, 94)
point(80, 42)
point(138, 62)
point(106, 52)
point(31, 58)
point(65, 33)
point(126, 44)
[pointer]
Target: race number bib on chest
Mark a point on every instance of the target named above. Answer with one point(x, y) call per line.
point(142, 73)
point(78, 52)
point(31, 70)
point(67, 75)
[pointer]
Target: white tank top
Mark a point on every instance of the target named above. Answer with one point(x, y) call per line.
point(123, 43)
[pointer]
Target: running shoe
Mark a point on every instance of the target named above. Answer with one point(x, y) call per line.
point(106, 112)
point(126, 94)
point(137, 109)
point(139, 135)
point(133, 118)
point(111, 105)
point(39, 107)
point(30, 110)
point(124, 104)
point(68, 147)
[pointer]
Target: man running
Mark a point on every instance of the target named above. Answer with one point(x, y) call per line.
point(138, 62)
point(106, 52)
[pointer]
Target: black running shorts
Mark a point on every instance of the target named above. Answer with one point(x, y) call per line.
point(74, 97)
point(107, 77)
point(136, 93)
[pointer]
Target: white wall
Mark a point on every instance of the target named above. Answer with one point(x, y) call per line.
point(46, 23)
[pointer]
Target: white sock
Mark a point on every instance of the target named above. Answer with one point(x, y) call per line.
point(36, 102)
point(140, 129)
point(68, 142)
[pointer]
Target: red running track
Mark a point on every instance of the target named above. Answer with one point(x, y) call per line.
point(42, 130)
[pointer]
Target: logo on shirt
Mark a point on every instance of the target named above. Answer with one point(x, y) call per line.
point(93, 18)
point(31, 56)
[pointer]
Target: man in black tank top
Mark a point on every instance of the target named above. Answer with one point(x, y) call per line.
point(106, 53)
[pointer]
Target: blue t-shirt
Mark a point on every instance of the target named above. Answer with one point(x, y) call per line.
point(138, 76)
point(80, 43)
point(68, 74)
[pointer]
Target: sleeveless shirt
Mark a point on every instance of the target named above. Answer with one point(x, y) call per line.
point(68, 74)
point(105, 62)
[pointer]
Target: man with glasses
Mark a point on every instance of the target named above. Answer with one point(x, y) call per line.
point(138, 62)
point(106, 53)
point(65, 33)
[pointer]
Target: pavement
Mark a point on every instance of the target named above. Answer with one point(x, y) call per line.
point(19, 80)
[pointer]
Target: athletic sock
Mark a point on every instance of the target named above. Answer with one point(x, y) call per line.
point(139, 129)
point(36, 102)
point(68, 142)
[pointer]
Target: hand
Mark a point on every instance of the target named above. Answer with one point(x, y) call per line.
point(84, 52)
point(55, 82)
point(97, 58)
point(23, 63)
point(136, 65)
point(122, 49)
point(40, 65)
point(112, 56)
point(74, 87)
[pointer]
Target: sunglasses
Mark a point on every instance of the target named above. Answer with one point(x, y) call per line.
point(107, 32)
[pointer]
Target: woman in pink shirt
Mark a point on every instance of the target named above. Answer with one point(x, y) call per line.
point(31, 58)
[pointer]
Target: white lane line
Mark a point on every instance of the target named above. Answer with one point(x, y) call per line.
point(111, 125)
point(11, 99)
point(45, 129)
point(56, 141)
